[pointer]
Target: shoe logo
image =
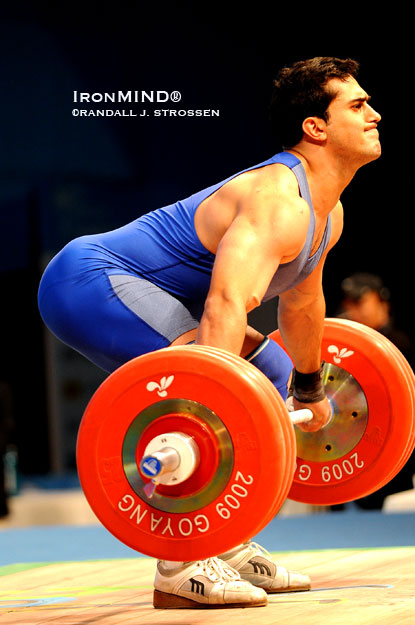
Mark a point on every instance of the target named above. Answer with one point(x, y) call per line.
point(197, 586)
point(164, 383)
point(339, 354)
point(259, 567)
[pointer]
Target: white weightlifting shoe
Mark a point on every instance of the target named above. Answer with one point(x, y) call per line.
point(254, 564)
point(204, 584)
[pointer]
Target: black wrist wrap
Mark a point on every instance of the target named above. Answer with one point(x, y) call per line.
point(308, 387)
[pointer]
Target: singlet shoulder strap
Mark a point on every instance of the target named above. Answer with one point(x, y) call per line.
point(296, 166)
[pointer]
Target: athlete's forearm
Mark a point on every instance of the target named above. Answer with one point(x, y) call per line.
point(302, 331)
point(223, 325)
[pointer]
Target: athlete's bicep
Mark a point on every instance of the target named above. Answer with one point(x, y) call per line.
point(244, 265)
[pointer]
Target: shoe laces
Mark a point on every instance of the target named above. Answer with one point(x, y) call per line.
point(218, 570)
point(260, 548)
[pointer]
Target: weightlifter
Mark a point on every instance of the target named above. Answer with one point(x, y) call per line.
point(191, 271)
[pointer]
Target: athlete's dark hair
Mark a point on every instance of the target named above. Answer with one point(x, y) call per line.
point(300, 91)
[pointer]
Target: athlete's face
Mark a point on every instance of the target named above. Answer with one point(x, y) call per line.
point(352, 124)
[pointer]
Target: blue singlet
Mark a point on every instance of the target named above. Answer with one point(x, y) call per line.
point(109, 295)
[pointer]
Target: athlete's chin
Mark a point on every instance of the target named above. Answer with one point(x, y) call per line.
point(377, 152)
point(374, 153)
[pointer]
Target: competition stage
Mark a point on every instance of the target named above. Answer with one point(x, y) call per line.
point(362, 567)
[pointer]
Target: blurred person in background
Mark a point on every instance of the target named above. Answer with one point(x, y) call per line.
point(367, 300)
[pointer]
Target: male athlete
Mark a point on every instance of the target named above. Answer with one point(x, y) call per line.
point(192, 271)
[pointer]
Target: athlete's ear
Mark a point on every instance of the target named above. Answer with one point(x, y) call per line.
point(314, 129)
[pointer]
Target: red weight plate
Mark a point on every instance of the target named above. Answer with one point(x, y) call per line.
point(373, 418)
point(407, 388)
point(161, 385)
point(282, 421)
point(282, 427)
point(287, 453)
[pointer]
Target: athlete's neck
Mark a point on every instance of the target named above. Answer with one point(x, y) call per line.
point(326, 177)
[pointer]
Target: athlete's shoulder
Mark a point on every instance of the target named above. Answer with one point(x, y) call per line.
point(268, 199)
point(273, 190)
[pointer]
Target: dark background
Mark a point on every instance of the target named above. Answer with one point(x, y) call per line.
point(63, 176)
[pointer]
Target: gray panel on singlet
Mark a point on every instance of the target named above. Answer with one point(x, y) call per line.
point(160, 310)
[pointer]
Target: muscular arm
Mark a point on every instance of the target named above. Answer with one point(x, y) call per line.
point(301, 314)
point(270, 224)
point(301, 310)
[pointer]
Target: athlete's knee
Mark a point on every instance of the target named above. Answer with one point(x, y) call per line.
point(275, 363)
point(187, 338)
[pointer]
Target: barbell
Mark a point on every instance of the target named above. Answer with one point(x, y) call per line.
point(185, 452)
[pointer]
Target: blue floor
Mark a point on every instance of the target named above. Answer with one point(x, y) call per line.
point(348, 529)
